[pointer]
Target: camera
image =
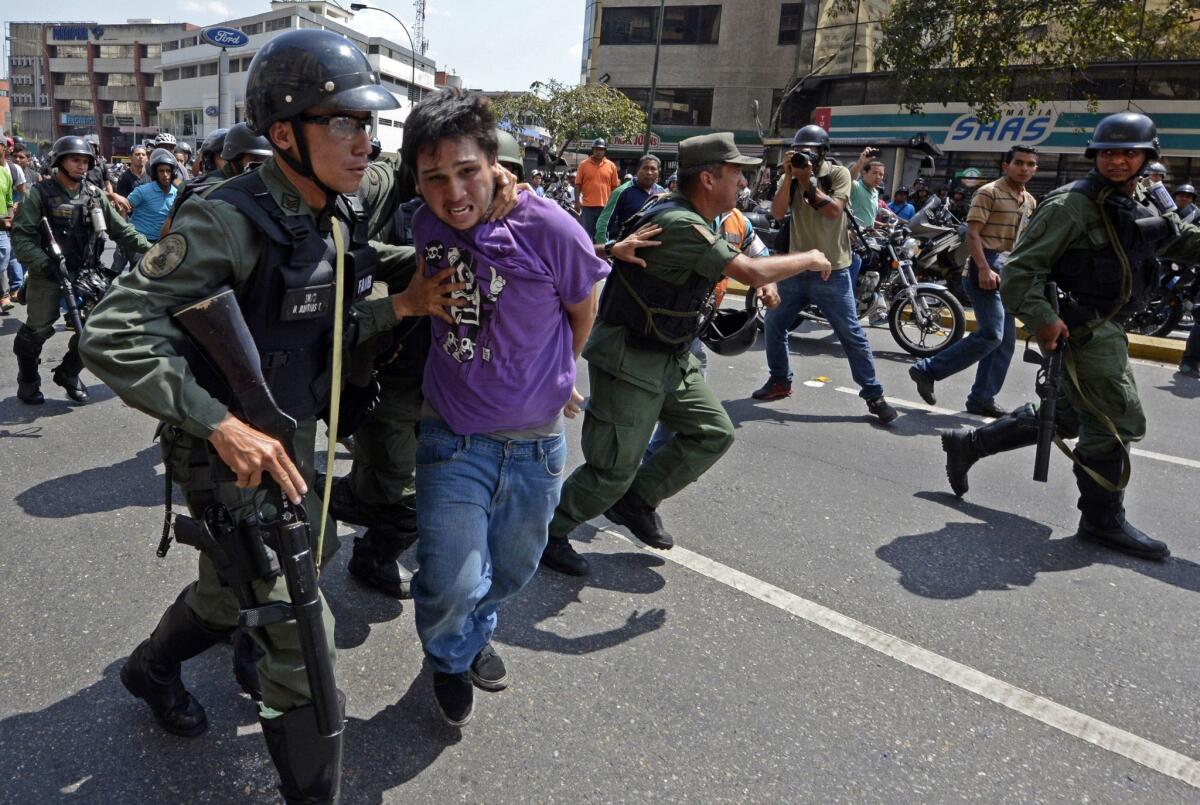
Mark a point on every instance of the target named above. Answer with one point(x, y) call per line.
point(805, 158)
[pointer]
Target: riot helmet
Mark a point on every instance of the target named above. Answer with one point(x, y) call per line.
point(599, 143)
point(71, 146)
point(811, 136)
point(730, 331)
point(210, 149)
point(508, 153)
point(1124, 130)
point(93, 141)
point(1188, 189)
point(241, 140)
point(1156, 167)
point(184, 146)
point(162, 156)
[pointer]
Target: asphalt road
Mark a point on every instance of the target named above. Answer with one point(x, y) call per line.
point(841, 629)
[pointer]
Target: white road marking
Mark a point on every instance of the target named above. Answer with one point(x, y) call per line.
point(933, 409)
point(1072, 722)
point(249, 729)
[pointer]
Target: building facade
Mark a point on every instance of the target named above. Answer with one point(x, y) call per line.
point(190, 106)
point(85, 77)
point(725, 66)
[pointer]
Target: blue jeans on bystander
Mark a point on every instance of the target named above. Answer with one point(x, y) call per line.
point(483, 508)
point(835, 299)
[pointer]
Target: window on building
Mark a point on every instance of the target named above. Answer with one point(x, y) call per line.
point(252, 29)
point(115, 51)
point(116, 79)
point(172, 44)
point(278, 24)
point(691, 25)
point(152, 79)
point(628, 26)
point(151, 51)
point(372, 50)
point(208, 68)
point(72, 80)
point(187, 72)
point(126, 108)
point(170, 74)
point(189, 41)
point(76, 107)
point(69, 51)
point(676, 107)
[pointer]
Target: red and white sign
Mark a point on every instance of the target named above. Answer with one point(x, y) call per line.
point(823, 116)
point(638, 140)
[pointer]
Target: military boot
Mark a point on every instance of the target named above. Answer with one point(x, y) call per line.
point(153, 670)
point(66, 374)
point(1102, 513)
point(309, 764)
point(376, 559)
point(344, 505)
point(965, 446)
point(246, 654)
point(641, 519)
point(28, 350)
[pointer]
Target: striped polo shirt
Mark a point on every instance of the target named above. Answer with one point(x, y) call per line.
point(999, 207)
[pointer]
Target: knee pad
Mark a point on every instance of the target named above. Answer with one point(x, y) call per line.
point(27, 343)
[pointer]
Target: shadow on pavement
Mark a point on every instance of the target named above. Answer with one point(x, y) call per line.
point(135, 481)
point(355, 607)
point(1003, 551)
point(1183, 387)
point(911, 422)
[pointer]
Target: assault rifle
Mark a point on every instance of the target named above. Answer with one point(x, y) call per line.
point(1047, 385)
point(60, 274)
point(217, 327)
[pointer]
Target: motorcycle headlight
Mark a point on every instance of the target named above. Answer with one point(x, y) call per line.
point(910, 248)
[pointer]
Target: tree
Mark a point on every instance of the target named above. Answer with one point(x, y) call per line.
point(984, 45)
point(571, 113)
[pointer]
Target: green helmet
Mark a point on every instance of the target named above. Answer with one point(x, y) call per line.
point(509, 153)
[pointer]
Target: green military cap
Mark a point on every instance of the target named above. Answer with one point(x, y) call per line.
point(712, 149)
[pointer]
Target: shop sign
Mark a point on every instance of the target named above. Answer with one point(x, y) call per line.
point(224, 37)
point(638, 140)
point(968, 133)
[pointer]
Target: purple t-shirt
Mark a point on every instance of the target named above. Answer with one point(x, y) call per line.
point(506, 363)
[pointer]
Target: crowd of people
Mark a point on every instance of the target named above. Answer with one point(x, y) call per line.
point(433, 310)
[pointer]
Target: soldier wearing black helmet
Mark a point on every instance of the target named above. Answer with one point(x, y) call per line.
point(210, 152)
point(276, 237)
point(74, 207)
point(241, 149)
point(1185, 199)
point(1099, 240)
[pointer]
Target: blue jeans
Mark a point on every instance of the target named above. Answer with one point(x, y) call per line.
point(662, 435)
point(835, 299)
point(855, 269)
point(589, 217)
point(991, 345)
point(483, 508)
point(5, 255)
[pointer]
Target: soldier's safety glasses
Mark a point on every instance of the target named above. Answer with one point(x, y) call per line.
point(341, 127)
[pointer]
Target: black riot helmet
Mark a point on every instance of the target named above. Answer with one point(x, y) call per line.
point(184, 146)
point(811, 136)
point(730, 331)
point(310, 67)
point(210, 148)
point(1186, 189)
point(161, 156)
point(71, 146)
point(241, 140)
point(1124, 130)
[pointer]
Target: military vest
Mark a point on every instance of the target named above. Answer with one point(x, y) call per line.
point(1093, 278)
point(657, 315)
point(70, 220)
point(288, 300)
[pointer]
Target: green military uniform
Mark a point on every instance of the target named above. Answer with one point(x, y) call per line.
point(633, 388)
point(1100, 350)
point(131, 344)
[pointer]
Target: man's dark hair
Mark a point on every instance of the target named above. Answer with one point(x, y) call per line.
point(19, 148)
point(867, 168)
point(449, 114)
point(687, 177)
point(138, 148)
point(1023, 149)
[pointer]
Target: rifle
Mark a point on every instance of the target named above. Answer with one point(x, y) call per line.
point(1047, 385)
point(217, 327)
point(60, 274)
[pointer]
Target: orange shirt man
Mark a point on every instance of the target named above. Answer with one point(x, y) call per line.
point(595, 179)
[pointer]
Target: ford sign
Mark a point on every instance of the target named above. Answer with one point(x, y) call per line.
point(224, 37)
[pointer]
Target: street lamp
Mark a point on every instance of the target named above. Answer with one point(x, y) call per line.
point(412, 90)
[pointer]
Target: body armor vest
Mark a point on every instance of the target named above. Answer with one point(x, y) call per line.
point(657, 315)
point(288, 300)
point(70, 220)
point(1092, 279)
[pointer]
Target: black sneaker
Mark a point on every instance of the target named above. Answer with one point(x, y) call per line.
point(455, 697)
point(987, 409)
point(924, 384)
point(487, 670)
point(880, 408)
point(559, 555)
point(773, 390)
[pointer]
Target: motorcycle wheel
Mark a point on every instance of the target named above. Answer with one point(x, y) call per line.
point(1158, 321)
point(921, 336)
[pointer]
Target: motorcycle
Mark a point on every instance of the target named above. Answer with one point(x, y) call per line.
point(944, 249)
point(917, 312)
point(1167, 301)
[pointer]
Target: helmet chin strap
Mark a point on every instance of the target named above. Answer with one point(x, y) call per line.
point(304, 167)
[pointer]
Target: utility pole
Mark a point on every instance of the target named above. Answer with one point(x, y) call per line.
point(654, 76)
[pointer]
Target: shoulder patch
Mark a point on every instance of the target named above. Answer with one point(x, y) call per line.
point(290, 202)
point(705, 233)
point(164, 256)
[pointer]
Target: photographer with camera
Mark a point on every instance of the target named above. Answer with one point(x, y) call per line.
point(818, 192)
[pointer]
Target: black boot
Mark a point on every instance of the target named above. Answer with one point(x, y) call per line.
point(152, 671)
point(246, 654)
point(965, 446)
point(376, 560)
point(559, 555)
point(636, 515)
point(1102, 519)
point(66, 374)
point(344, 505)
point(28, 349)
point(309, 765)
